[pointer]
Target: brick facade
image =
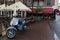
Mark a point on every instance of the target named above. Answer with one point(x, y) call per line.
point(26, 2)
point(44, 2)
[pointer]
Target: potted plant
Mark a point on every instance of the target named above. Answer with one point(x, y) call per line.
point(38, 9)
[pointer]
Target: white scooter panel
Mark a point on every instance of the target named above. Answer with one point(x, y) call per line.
point(14, 21)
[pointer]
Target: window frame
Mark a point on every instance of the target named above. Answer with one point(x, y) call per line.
point(48, 2)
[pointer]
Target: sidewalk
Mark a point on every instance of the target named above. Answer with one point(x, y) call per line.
point(55, 26)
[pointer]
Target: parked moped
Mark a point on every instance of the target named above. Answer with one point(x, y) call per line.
point(16, 24)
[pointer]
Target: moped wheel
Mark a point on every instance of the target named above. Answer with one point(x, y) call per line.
point(11, 33)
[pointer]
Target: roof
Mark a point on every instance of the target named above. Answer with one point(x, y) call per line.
point(2, 7)
point(18, 5)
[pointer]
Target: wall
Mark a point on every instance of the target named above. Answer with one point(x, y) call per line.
point(44, 3)
point(52, 3)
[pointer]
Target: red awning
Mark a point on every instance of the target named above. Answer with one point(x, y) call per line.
point(48, 10)
point(45, 11)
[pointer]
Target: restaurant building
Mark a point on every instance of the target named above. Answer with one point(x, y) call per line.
point(30, 2)
point(34, 3)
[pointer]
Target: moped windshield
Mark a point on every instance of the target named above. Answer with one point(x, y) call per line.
point(14, 21)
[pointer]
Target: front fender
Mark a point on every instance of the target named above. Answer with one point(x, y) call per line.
point(11, 28)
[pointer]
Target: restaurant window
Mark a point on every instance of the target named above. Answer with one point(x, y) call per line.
point(35, 3)
point(4, 13)
point(10, 12)
point(19, 13)
point(23, 14)
point(48, 2)
point(29, 3)
point(41, 2)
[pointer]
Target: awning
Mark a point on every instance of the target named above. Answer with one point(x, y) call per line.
point(18, 5)
point(2, 7)
point(47, 10)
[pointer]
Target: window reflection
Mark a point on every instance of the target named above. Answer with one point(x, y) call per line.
point(29, 3)
point(48, 2)
point(35, 3)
